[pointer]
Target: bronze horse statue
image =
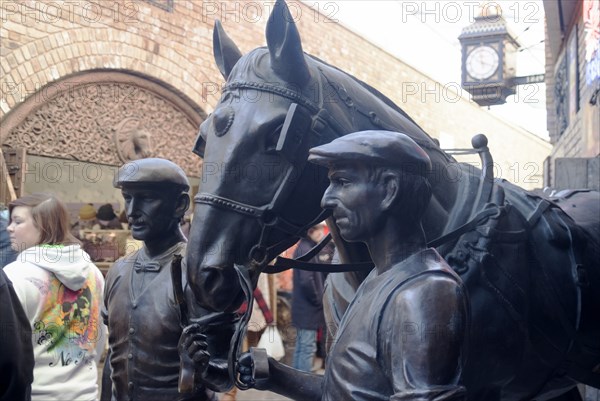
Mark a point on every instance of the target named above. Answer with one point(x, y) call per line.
point(530, 266)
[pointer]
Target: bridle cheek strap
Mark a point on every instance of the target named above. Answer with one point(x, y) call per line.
point(293, 145)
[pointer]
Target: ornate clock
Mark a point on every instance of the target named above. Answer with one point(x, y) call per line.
point(482, 62)
point(488, 59)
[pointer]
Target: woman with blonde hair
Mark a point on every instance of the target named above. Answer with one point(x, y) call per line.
point(61, 291)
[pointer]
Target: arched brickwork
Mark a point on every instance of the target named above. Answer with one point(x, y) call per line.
point(107, 117)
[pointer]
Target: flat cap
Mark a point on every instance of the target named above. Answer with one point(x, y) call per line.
point(384, 148)
point(151, 171)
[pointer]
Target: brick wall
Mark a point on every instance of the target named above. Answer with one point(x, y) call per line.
point(42, 42)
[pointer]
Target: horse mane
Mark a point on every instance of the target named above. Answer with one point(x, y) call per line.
point(252, 63)
point(253, 66)
point(368, 87)
point(433, 146)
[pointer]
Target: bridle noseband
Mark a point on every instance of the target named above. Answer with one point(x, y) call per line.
point(303, 116)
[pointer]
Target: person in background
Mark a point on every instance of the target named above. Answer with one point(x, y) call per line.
point(261, 314)
point(7, 254)
point(16, 349)
point(61, 292)
point(107, 219)
point(307, 299)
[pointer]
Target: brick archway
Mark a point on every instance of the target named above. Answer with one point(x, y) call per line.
point(95, 116)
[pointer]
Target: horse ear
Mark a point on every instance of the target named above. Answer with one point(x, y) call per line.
point(285, 47)
point(225, 51)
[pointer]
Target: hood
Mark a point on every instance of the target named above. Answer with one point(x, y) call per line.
point(69, 263)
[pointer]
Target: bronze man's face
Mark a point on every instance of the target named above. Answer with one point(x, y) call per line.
point(150, 211)
point(355, 198)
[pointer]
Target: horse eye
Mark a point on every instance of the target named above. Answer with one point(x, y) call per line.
point(272, 139)
point(222, 118)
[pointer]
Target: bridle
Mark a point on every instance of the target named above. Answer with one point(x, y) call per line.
point(303, 116)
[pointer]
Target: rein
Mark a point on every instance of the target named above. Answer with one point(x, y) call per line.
point(282, 264)
point(482, 211)
point(240, 331)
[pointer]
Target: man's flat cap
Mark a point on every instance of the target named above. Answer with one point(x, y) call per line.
point(383, 148)
point(151, 171)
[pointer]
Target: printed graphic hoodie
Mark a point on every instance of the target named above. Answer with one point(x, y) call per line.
point(61, 291)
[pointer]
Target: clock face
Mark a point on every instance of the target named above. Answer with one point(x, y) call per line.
point(482, 62)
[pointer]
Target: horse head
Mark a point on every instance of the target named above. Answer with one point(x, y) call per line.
point(255, 145)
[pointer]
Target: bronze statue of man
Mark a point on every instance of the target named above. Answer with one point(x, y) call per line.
point(403, 336)
point(140, 306)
